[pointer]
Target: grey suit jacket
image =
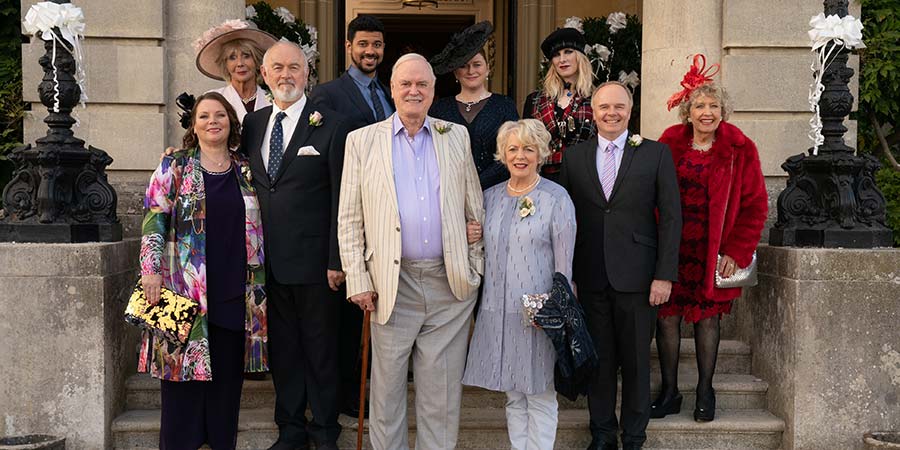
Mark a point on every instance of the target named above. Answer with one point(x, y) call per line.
point(369, 220)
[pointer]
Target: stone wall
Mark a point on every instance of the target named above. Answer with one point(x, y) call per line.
point(823, 327)
point(66, 349)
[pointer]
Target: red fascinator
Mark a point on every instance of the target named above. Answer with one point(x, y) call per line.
point(697, 76)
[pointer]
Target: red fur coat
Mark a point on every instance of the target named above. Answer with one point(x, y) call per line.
point(736, 214)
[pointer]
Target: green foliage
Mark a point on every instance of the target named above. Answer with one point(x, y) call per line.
point(12, 108)
point(879, 95)
point(888, 180)
point(276, 23)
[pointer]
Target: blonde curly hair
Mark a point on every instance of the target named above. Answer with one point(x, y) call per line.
point(711, 90)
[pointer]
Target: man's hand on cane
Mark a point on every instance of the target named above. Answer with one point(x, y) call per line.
point(365, 301)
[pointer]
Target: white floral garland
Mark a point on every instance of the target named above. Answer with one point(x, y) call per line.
point(846, 33)
point(41, 20)
point(310, 49)
point(599, 54)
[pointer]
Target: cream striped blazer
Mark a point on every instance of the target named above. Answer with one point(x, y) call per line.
point(369, 220)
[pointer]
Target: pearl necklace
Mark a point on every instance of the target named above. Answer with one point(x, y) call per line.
point(702, 147)
point(519, 191)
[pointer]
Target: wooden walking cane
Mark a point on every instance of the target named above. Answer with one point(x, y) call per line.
point(362, 378)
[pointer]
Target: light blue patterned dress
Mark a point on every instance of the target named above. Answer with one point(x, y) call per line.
point(521, 256)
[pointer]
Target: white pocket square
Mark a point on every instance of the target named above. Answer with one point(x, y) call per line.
point(309, 150)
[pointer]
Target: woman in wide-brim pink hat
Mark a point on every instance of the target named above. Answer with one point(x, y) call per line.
point(232, 52)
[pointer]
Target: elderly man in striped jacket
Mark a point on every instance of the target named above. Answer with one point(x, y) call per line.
point(408, 189)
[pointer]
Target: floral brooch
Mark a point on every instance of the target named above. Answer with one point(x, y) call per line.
point(315, 119)
point(443, 127)
point(526, 207)
point(635, 140)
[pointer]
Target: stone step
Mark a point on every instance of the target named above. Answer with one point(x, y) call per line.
point(734, 391)
point(485, 428)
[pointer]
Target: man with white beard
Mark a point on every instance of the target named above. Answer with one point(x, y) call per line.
point(296, 152)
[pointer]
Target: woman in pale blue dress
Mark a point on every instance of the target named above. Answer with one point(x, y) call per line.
point(529, 234)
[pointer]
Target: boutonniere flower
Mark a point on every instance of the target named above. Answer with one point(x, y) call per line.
point(443, 127)
point(526, 207)
point(635, 140)
point(315, 119)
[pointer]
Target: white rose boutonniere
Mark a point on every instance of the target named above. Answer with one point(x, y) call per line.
point(635, 140)
point(315, 119)
point(443, 127)
point(526, 207)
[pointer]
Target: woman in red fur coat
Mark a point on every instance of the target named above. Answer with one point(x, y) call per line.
point(724, 207)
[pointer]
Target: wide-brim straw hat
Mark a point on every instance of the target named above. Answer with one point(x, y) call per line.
point(462, 47)
point(209, 45)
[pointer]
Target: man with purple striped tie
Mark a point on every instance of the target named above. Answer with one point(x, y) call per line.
point(628, 211)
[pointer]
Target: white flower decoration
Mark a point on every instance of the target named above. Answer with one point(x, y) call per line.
point(846, 33)
point(315, 119)
point(285, 15)
point(600, 51)
point(313, 34)
point(526, 207)
point(631, 79)
point(616, 21)
point(635, 140)
point(250, 12)
point(574, 22)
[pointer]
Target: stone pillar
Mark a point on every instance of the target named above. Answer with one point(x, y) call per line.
point(320, 14)
point(534, 21)
point(66, 349)
point(823, 327)
point(673, 32)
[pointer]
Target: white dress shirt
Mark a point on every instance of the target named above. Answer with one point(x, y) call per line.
point(288, 125)
point(602, 143)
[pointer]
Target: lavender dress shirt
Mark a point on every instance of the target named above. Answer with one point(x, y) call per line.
point(418, 183)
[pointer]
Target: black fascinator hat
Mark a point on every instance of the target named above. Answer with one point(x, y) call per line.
point(462, 47)
point(563, 38)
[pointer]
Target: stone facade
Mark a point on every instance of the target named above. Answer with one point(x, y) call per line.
point(823, 327)
point(66, 349)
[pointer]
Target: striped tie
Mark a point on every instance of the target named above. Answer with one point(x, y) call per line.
point(608, 177)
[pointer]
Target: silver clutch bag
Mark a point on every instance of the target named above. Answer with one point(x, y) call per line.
point(743, 277)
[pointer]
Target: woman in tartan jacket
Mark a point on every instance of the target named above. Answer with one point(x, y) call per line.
point(563, 105)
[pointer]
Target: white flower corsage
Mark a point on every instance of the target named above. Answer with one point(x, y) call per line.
point(315, 119)
point(443, 127)
point(526, 207)
point(635, 140)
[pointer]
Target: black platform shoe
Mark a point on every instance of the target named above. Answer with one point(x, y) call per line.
point(705, 411)
point(662, 407)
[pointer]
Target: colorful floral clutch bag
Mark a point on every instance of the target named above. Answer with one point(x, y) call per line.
point(170, 319)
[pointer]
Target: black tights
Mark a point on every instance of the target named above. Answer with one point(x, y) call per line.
point(668, 343)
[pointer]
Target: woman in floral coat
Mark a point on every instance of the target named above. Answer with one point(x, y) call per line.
point(202, 238)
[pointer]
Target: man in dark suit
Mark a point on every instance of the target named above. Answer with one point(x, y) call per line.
point(363, 100)
point(296, 154)
point(628, 209)
point(358, 94)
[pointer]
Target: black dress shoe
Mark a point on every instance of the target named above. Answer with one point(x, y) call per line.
point(597, 444)
point(705, 411)
point(280, 445)
point(352, 410)
point(327, 446)
point(662, 407)
point(632, 447)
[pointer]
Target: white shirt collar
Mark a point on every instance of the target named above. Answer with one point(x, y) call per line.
point(602, 143)
point(293, 111)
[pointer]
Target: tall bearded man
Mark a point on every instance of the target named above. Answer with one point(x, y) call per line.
point(296, 156)
point(408, 189)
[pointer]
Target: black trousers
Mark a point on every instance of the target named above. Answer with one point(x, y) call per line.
point(303, 360)
point(621, 325)
point(349, 352)
point(198, 412)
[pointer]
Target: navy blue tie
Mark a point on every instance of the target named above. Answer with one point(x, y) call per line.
point(376, 102)
point(276, 145)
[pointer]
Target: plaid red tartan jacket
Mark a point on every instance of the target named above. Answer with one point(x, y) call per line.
point(574, 125)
